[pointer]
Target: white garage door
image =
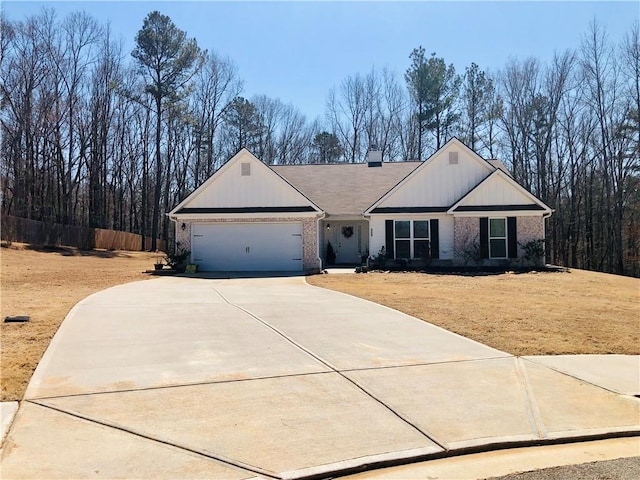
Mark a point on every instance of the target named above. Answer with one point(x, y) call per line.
point(234, 247)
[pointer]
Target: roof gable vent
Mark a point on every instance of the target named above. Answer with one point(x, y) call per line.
point(245, 169)
point(453, 158)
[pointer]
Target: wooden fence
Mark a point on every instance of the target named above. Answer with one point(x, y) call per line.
point(24, 230)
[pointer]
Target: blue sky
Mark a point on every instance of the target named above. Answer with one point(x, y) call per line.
point(298, 51)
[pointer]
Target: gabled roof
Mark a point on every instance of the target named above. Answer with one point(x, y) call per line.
point(231, 190)
point(345, 189)
point(499, 192)
point(481, 167)
point(453, 180)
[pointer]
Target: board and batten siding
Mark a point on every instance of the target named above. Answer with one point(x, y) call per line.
point(377, 238)
point(439, 183)
point(498, 189)
point(257, 187)
point(490, 193)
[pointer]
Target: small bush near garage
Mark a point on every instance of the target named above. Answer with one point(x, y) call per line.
point(178, 260)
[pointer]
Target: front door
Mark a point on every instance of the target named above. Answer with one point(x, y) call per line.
point(348, 243)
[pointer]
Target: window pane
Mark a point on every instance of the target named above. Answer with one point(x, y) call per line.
point(402, 229)
point(497, 227)
point(402, 249)
point(421, 229)
point(421, 249)
point(498, 248)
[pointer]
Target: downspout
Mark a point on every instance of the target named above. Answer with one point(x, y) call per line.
point(544, 231)
point(318, 231)
point(175, 232)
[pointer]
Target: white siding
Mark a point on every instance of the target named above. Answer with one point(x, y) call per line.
point(376, 240)
point(446, 237)
point(261, 188)
point(496, 191)
point(438, 183)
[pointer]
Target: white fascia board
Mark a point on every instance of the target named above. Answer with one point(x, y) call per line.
point(411, 216)
point(318, 210)
point(472, 153)
point(182, 217)
point(243, 153)
point(502, 213)
point(343, 217)
point(512, 183)
point(426, 163)
point(212, 179)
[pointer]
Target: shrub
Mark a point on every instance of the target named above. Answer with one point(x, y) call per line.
point(330, 255)
point(380, 259)
point(534, 251)
point(177, 259)
point(470, 253)
point(468, 249)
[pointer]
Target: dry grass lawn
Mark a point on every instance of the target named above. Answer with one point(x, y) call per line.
point(45, 284)
point(523, 314)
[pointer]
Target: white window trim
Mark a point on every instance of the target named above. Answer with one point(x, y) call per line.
point(506, 240)
point(410, 238)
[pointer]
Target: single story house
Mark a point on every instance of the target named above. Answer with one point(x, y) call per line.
point(454, 206)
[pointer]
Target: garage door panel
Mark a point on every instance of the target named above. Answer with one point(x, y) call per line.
point(247, 246)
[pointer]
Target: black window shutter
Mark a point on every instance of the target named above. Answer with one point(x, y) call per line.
point(512, 237)
point(435, 238)
point(388, 226)
point(484, 237)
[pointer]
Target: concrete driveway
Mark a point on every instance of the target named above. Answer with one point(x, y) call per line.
point(273, 378)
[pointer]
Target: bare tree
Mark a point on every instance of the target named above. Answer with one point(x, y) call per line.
point(346, 113)
point(101, 151)
point(72, 60)
point(23, 70)
point(294, 137)
point(216, 85)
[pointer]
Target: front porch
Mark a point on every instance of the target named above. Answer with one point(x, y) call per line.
point(348, 240)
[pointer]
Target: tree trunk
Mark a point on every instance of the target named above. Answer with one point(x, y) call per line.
point(157, 191)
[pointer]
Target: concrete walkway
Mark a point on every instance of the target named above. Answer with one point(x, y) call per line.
point(273, 378)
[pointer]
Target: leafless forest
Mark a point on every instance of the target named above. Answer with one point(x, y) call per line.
point(94, 135)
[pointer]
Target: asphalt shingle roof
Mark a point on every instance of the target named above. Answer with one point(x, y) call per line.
point(345, 189)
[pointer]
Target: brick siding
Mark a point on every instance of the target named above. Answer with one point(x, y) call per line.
point(466, 231)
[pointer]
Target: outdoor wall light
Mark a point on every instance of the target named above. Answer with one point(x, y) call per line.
point(328, 226)
point(183, 226)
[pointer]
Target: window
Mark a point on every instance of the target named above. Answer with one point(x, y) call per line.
point(497, 238)
point(411, 238)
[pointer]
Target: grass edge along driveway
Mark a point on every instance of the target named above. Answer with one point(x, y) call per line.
point(554, 313)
